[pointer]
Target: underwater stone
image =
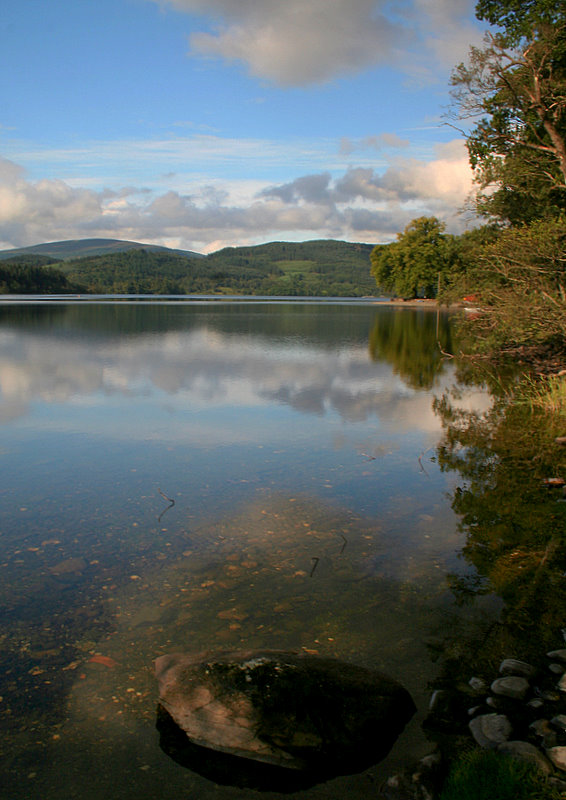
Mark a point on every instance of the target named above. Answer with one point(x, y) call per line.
point(298, 711)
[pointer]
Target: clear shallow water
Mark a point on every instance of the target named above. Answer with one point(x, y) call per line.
point(296, 441)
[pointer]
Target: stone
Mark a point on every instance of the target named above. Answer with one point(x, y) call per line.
point(562, 684)
point(437, 698)
point(490, 730)
point(550, 697)
point(296, 711)
point(512, 666)
point(559, 722)
point(68, 566)
point(477, 684)
point(559, 655)
point(524, 751)
point(511, 686)
point(557, 669)
point(543, 729)
point(558, 757)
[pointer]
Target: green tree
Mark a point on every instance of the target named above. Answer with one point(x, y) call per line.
point(517, 18)
point(516, 85)
point(410, 267)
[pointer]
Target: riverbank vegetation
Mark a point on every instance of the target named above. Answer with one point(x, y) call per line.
point(513, 268)
point(510, 460)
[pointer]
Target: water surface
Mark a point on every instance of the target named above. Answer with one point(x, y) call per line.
point(203, 476)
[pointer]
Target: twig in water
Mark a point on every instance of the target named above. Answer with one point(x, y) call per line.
point(314, 566)
point(421, 463)
point(444, 353)
point(345, 543)
point(169, 500)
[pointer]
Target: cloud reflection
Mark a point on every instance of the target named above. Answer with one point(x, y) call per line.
point(203, 369)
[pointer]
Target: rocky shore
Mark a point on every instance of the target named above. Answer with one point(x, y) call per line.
point(520, 712)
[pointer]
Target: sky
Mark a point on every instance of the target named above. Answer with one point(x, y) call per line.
point(202, 124)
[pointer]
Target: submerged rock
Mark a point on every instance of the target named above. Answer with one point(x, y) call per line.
point(299, 712)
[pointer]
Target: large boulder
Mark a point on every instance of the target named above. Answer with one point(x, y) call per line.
point(298, 712)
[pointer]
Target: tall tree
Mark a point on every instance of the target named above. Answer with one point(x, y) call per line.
point(516, 85)
point(410, 266)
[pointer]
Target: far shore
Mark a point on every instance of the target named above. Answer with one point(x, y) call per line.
point(416, 303)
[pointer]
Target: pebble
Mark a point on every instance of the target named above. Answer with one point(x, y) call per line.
point(558, 669)
point(512, 666)
point(490, 730)
point(560, 655)
point(558, 757)
point(559, 722)
point(477, 684)
point(511, 686)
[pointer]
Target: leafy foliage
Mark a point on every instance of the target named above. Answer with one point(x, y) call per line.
point(516, 85)
point(411, 266)
point(517, 18)
point(520, 281)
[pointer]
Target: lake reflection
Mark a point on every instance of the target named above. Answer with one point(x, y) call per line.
point(296, 442)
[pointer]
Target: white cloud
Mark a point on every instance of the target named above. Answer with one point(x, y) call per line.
point(295, 43)
point(356, 204)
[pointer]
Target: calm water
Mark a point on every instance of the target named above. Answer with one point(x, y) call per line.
point(201, 476)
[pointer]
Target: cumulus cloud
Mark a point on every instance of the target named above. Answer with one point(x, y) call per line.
point(359, 204)
point(295, 43)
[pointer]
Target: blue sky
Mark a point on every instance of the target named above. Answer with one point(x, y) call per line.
point(207, 123)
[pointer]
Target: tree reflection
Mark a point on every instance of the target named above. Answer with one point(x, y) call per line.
point(513, 522)
point(412, 341)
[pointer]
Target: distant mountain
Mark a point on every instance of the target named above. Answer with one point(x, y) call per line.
point(81, 248)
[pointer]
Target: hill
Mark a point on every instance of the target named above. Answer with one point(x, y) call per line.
point(316, 268)
point(80, 248)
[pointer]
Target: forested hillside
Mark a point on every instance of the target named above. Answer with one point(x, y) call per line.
point(33, 275)
point(317, 268)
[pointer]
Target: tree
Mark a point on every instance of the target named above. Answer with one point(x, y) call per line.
point(522, 275)
point(516, 84)
point(518, 18)
point(410, 266)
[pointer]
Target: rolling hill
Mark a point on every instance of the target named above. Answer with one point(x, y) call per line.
point(315, 268)
point(80, 248)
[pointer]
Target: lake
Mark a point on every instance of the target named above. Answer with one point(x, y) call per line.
point(190, 475)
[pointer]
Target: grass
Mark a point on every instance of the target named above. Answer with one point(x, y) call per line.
point(486, 775)
point(547, 393)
